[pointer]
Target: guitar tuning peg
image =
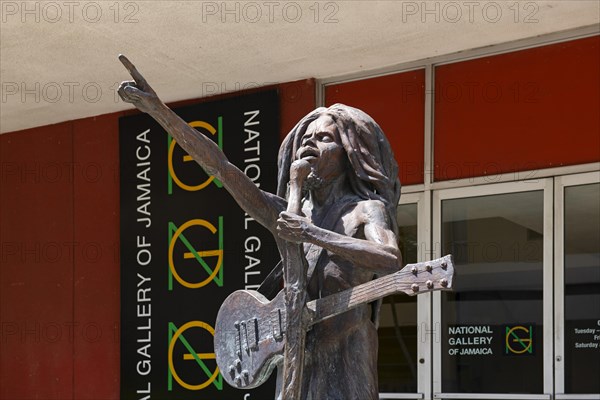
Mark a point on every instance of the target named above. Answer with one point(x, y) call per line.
point(429, 284)
point(414, 287)
point(444, 282)
point(429, 268)
point(444, 265)
point(414, 270)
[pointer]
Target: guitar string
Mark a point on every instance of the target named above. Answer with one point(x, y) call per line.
point(327, 307)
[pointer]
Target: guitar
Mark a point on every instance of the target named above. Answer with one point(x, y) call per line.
point(250, 330)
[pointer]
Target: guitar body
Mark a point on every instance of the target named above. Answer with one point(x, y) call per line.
point(249, 337)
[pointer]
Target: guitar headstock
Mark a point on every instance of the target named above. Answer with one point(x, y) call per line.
point(426, 276)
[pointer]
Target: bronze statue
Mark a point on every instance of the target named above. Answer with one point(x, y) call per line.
point(340, 178)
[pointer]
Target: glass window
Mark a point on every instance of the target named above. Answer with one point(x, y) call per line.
point(492, 321)
point(582, 288)
point(397, 365)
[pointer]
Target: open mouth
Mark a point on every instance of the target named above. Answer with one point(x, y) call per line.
point(308, 154)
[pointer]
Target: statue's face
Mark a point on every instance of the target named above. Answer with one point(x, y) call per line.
point(321, 146)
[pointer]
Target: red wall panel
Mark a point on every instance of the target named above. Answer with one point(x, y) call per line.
point(397, 103)
point(36, 231)
point(96, 275)
point(296, 99)
point(524, 110)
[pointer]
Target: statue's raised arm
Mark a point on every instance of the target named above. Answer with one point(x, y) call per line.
point(262, 206)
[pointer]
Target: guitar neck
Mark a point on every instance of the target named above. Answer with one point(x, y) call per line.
point(330, 306)
point(412, 279)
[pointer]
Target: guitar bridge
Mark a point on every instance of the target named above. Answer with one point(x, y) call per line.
point(245, 342)
point(253, 325)
point(238, 340)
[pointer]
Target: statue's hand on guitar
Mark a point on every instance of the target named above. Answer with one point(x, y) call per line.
point(292, 227)
point(137, 92)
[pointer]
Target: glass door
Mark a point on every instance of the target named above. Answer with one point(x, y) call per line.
point(577, 286)
point(495, 337)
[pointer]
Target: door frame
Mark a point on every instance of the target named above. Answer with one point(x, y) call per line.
point(560, 183)
point(546, 185)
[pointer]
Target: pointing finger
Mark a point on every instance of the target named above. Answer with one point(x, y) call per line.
point(135, 74)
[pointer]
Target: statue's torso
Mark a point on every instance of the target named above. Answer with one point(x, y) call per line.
point(343, 348)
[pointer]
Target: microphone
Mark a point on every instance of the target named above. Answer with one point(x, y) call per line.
point(299, 170)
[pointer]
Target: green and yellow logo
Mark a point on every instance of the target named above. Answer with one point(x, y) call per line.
point(519, 339)
point(210, 261)
point(203, 335)
point(172, 175)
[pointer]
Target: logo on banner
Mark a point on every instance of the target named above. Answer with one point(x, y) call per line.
point(174, 154)
point(519, 339)
point(210, 261)
point(199, 336)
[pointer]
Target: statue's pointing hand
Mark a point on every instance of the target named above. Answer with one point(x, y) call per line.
point(137, 92)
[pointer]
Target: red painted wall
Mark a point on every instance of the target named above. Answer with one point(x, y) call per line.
point(37, 290)
point(397, 103)
point(59, 261)
point(525, 110)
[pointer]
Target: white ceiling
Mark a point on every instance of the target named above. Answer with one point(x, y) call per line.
point(55, 56)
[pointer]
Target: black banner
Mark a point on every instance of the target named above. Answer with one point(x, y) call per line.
point(185, 245)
